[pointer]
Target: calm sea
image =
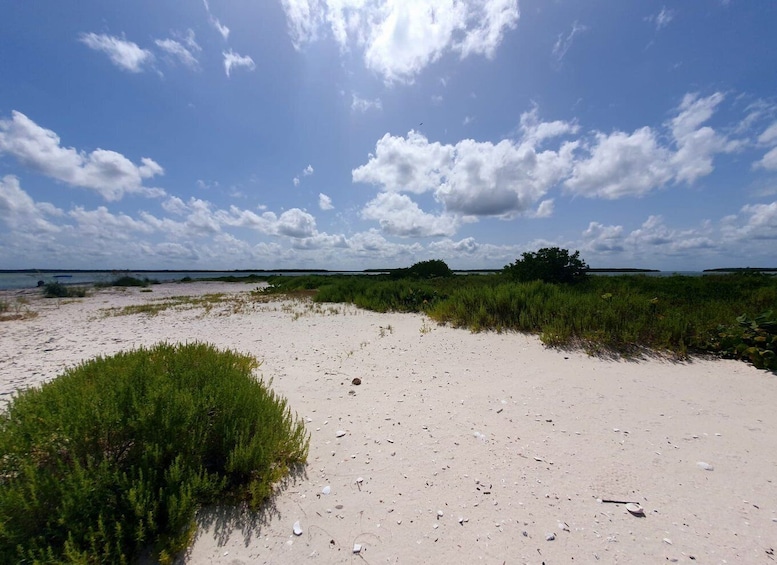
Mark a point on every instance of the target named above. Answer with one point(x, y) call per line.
point(29, 279)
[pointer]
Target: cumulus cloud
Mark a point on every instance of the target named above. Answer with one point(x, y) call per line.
point(399, 38)
point(19, 211)
point(620, 164)
point(324, 202)
point(756, 222)
point(398, 215)
point(107, 172)
point(472, 178)
point(181, 50)
point(124, 54)
point(234, 60)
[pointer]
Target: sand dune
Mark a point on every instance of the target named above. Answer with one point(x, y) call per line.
point(459, 447)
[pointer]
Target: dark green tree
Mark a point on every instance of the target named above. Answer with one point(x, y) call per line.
point(549, 264)
point(434, 268)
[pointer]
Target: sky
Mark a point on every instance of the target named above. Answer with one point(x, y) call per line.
point(357, 134)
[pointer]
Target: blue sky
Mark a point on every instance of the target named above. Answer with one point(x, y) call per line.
point(353, 134)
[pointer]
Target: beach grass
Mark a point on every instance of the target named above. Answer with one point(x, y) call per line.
point(113, 458)
point(622, 315)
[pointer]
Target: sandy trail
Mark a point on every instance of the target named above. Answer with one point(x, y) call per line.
point(469, 447)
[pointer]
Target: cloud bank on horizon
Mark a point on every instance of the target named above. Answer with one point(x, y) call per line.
point(353, 134)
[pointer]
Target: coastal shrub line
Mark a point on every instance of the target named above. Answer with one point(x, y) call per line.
point(623, 315)
point(112, 459)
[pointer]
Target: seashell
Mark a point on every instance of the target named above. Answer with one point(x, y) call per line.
point(297, 529)
point(635, 509)
point(326, 490)
point(357, 548)
point(339, 433)
point(705, 466)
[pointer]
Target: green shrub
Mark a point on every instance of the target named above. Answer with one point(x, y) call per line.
point(434, 268)
point(114, 457)
point(549, 264)
point(55, 290)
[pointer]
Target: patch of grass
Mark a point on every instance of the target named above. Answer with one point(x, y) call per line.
point(114, 457)
point(614, 315)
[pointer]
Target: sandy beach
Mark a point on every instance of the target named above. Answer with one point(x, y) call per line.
point(456, 447)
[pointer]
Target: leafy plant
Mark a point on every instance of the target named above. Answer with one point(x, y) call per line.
point(550, 265)
point(114, 457)
point(434, 268)
point(753, 339)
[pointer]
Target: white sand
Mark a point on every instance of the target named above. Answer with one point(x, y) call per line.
point(508, 439)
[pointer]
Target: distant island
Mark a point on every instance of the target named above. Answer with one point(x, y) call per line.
point(742, 270)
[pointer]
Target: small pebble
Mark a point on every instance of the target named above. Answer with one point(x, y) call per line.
point(705, 466)
point(340, 433)
point(550, 537)
point(439, 513)
point(326, 490)
point(357, 548)
point(297, 529)
point(357, 381)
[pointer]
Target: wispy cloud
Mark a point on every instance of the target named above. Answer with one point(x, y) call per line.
point(362, 104)
point(124, 54)
point(662, 18)
point(235, 60)
point(181, 49)
point(563, 43)
point(214, 21)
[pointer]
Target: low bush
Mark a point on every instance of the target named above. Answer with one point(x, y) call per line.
point(113, 458)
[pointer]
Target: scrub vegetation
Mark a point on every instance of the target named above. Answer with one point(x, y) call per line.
point(111, 460)
point(550, 294)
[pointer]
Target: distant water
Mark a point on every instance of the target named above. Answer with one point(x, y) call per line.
point(29, 279)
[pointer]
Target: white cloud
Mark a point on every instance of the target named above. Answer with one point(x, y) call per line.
point(563, 44)
point(621, 164)
point(181, 51)
point(19, 211)
point(398, 215)
point(769, 161)
point(234, 60)
point(295, 180)
point(599, 238)
point(409, 164)
point(769, 135)
point(108, 173)
point(218, 26)
point(324, 202)
point(399, 38)
point(696, 144)
point(122, 53)
point(755, 222)
point(296, 223)
point(363, 105)
point(545, 209)
point(471, 178)
point(662, 18)
point(307, 171)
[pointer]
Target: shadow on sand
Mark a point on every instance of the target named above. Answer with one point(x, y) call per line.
point(222, 522)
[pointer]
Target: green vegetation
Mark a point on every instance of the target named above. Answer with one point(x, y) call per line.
point(605, 315)
point(19, 309)
point(59, 290)
point(126, 281)
point(113, 458)
point(550, 265)
point(434, 268)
